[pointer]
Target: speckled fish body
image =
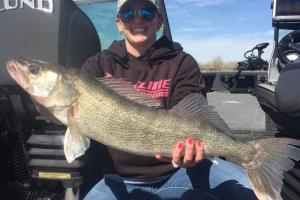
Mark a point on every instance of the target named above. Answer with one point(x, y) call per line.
point(112, 112)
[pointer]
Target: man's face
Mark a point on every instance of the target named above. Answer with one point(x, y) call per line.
point(138, 30)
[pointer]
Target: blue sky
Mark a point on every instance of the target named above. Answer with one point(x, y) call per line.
point(226, 28)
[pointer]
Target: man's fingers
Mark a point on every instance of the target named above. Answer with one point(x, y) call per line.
point(163, 158)
point(185, 154)
point(177, 154)
point(189, 155)
point(199, 151)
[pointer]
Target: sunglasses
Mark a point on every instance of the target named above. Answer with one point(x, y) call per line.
point(147, 14)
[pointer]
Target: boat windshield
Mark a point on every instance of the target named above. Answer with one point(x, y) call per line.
point(103, 17)
point(283, 32)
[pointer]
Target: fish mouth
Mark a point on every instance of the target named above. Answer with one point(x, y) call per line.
point(14, 72)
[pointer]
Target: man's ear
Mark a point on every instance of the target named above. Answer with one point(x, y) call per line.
point(119, 24)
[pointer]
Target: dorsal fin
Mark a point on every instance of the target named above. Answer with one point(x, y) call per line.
point(195, 105)
point(126, 89)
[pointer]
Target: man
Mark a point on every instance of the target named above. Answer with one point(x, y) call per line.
point(159, 69)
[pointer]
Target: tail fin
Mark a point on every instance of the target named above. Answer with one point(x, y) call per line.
point(274, 156)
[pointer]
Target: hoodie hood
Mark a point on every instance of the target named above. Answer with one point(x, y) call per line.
point(163, 49)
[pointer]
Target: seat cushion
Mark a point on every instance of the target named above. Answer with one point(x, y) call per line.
point(287, 93)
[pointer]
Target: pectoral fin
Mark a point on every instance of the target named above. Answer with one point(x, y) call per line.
point(75, 144)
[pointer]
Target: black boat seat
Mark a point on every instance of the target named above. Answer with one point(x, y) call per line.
point(266, 92)
point(282, 103)
point(46, 141)
point(57, 170)
point(46, 153)
point(62, 164)
point(64, 37)
point(287, 95)
point(61, 34)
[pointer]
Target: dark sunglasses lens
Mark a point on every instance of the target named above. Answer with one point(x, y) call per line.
point(148, 13)
point(127, 15)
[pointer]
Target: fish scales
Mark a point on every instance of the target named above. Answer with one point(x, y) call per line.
point(132, 127)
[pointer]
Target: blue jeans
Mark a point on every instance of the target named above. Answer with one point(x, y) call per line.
point(206, 180)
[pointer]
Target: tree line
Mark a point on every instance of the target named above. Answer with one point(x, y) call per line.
point(218, 64)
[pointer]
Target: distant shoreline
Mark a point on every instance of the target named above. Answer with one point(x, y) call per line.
point(218, 64)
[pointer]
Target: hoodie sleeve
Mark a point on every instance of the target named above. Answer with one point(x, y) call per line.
point(188, 79)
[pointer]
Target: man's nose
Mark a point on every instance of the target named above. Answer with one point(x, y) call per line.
point(138, 18)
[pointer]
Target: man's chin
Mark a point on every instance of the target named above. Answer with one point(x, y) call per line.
point(143, 40)
point(140, 39)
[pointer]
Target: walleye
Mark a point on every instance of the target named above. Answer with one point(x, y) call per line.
point(112, 112)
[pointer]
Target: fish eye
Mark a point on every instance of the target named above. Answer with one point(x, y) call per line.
point(34, 69)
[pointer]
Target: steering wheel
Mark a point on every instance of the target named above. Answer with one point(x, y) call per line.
point(289, 44)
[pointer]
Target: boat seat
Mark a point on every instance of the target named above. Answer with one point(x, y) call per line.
point(281, 102)
point(287, 95)
point(46, 153)
point(57, 32)
point(46, 141)
point(266, 92)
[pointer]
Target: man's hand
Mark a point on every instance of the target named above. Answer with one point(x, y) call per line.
point(185, 155)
